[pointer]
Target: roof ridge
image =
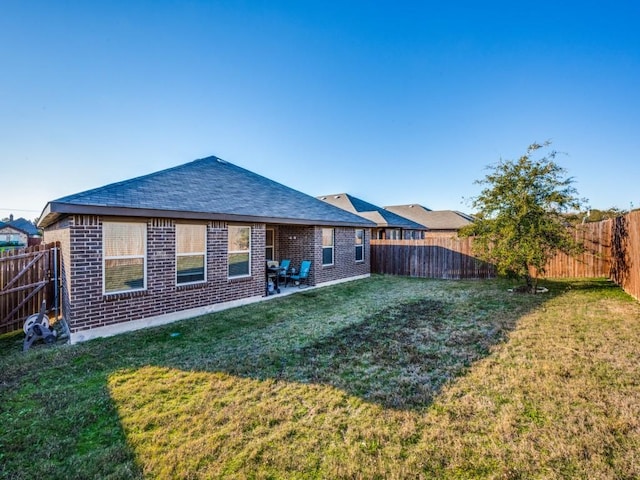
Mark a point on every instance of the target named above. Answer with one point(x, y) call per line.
point(208, 187)
point(129, 181)
point(409, 205)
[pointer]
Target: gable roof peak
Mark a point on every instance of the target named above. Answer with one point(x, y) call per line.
point(206, 188)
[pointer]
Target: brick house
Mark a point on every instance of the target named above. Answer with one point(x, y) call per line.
point(189, 240)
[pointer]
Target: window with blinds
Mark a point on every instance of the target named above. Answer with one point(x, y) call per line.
point(359, 245)
point(191, 247)
point(327, 246)
point(124, 255)
point(269, 244)
point(239, 251)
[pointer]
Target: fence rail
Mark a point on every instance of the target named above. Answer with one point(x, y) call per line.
point(27, 277)
point(447, 258)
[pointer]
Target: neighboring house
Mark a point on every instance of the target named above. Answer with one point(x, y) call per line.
point(388, 224)
point(439, 222)
point(12, 236)
point(183, 241)
point(19, 233)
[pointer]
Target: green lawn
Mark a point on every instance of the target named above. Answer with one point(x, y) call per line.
point(380, 378)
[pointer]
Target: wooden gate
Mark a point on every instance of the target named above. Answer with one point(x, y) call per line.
point(27, 277)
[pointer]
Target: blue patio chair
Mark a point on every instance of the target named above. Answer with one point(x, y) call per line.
point(303, 274)
point(284, 271)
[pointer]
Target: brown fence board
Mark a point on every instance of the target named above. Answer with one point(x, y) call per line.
point(447, 258)
point(625, 260)
point(25, 281)
point(595, 262)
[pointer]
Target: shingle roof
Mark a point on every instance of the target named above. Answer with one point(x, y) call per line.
point(208, 188)
point(433, 219)
point(382, 217)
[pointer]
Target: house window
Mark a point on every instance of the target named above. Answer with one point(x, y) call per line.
point(268, 252)
point(191, 242)
point(359, 245)
point(394, 234)
point(239, 251)
point(124, 256)
point(327, 246)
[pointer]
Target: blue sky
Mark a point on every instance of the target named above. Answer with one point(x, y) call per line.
point(394, 102)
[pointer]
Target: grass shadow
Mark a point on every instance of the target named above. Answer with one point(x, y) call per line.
point(398, 356)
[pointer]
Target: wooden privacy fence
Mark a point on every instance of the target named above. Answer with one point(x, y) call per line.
point(27, 277)
point(612, 251)
point(453, 257)
point(594, 262)
point(625, 253)
point(448, 258)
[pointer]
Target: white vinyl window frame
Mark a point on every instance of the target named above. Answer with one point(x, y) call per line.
point(235, 249)
point(124, 250)
point(328, 245)
point(194, 249)
point(269, 247)
point(359, 245)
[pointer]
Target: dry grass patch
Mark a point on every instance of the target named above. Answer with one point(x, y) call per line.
point(560, 399)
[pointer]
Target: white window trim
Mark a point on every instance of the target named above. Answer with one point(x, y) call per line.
point(229, 252)
point(124, 257)
point(360, 245)
point(332, 247)
point(192, 254)
point(273, 239)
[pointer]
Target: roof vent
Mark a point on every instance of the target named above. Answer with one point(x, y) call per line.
point(323, 198)
point(219, 160)
point(336, 196)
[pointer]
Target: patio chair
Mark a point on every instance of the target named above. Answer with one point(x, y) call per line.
point(284, 271)
point(303, 274)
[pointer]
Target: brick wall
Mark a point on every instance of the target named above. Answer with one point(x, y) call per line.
point(85, 306)
point(344, 256)
point(88, 307)
point(299, 243)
